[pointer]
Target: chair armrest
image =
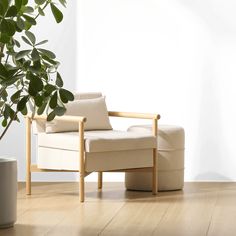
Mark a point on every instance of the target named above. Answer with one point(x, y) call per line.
point(134, 115)
point(61, 118)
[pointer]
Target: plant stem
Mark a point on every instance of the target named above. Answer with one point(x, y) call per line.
point(1, 50)
point(46, 4)
point(9, 124)
point(7, 59)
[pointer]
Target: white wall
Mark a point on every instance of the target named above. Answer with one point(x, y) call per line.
point(175, 57)
point(63, 41)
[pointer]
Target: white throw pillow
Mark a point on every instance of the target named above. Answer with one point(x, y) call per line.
point(95, 110)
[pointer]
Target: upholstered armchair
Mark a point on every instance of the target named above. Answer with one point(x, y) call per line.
point(83, 141)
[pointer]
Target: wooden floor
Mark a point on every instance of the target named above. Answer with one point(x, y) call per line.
point(54, 209)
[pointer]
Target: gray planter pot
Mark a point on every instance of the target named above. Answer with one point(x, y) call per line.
point(8, 192)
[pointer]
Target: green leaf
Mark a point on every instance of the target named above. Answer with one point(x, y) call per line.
point(24, 2)
point(38, 100)
point(36, 67)
point(35, 55)
point(42, 108)
point(56, 13)
point(66, 95)
point(45, 76)
point(41, 12)
point(24, 111)
point(59, 81)
point(7, 27)
point(10, 81)
point(49, 88)
point(53, 101)
point(10, 53)
point(20, 23)
point(4, 95)
point(26, 40)
point(11, 27)
point(12, 71)
point(4, 123)
point(5, 5)
point(40, 2)
point(50, 60)
point(42, 42)
point(4, 26)
point(18, 4)
point(6, 112)
point(59, 111)
point(12, 114)
point(3, 71)
point(12, 11)
point(22, 54)
point(30, 36)
point(4, 38)
point(30, 19)
point(22, 103)
point(16, 96)
point(1, 10)
point(47, 53)
point(16, 43)
point(63, 2)
point(64, 99)
point(51, 116)
point(28, 9)
point(26, 64)
point(27, 25)
point(35, 84)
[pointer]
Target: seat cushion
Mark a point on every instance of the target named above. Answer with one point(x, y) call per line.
point(57, 159)
point(98, 141)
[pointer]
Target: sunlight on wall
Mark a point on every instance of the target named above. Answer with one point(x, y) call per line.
point(174, 57)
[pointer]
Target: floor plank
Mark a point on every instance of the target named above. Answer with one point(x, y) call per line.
point(54, 209)
point(137, 218)
point(189, 214)
point(224, 215)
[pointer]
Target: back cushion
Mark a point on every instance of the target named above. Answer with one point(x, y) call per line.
point(91, 95)
point(94, 110)
point(39, 126)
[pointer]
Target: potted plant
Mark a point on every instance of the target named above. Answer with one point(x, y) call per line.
point(29, 77)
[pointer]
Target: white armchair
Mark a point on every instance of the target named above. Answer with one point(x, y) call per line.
point(87, 150)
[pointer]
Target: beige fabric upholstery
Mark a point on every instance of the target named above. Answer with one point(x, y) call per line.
point(91, 95)
point(170, 160)
point(94, 110)
point(59, 159)
point(98, 141)
point(40, 126)
point(170, 137)
point(167, 180)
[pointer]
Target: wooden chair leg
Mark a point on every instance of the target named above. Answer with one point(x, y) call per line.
point(81, 188)
point(99, 180)
point(155, 157)
point(154, 173)
point(28, 156)
point(81, 161)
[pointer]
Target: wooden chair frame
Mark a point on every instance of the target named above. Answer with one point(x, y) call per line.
point(81, 120)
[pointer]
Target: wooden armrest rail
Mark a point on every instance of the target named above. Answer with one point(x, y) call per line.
point(134, 115)
point(61, 118)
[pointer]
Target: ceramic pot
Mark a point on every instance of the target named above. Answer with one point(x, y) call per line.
point(8, 192)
